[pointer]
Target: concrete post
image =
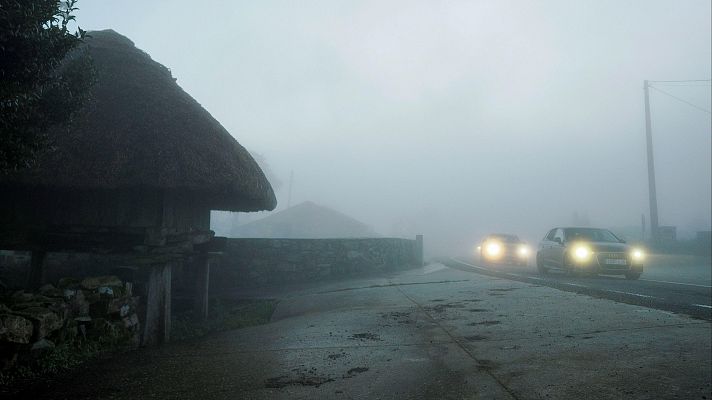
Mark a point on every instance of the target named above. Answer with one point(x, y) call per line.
point(419, 250)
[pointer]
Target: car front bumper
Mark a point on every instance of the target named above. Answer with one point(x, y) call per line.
point(609, 263)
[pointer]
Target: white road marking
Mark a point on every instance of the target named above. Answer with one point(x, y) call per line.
point(473, 266)
point(534, 277)
point(702, 305)
point(429, 269)
point(632, 294)
point(677, 283)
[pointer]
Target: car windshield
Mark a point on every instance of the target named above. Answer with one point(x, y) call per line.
point(505, 238)
point(590, 234)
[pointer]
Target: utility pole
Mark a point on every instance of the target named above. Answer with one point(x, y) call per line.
point(289, 197)
point(652, 193)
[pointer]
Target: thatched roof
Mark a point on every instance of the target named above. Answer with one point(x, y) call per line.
point(305, 221)
point(141, 130)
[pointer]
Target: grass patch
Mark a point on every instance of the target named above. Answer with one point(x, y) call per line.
point(61, 359)
point(223, 315)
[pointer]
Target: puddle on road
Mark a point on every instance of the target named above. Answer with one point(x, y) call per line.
point(486, 365)
point(475, 338)
point(335, 356)
point(305, 377)
point(365, 336)
point(492, 322)
point(397, 316)
point(439, 308)
point(357, 370)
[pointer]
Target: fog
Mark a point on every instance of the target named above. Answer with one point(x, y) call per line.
point(446, 118)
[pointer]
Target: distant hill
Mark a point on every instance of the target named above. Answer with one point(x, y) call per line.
point(308, 221)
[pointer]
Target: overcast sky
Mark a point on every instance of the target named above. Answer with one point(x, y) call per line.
point(450, 118)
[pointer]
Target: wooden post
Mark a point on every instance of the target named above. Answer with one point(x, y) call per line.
point(167, 295)
point(157, 319)
point(36, 276)
point(202, 285)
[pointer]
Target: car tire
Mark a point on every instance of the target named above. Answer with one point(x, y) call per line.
point(540, 265)
point(632, 276)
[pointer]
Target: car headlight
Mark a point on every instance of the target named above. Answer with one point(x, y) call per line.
point(493, 249)
point(637, 255)
point(582, 253)
point(523, 251)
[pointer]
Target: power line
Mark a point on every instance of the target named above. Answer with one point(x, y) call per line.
point(682, 100)
point(684, 85)
point(686, 80)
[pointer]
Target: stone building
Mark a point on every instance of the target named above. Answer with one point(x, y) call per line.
point(136, 176)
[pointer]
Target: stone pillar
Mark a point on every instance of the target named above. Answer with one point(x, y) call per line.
point(419, 250)
point(201, 272)
point(157, 317)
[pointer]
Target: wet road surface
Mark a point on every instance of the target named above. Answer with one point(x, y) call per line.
point(679, 284)
point(430, 333)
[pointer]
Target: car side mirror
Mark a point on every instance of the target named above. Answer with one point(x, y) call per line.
point(558, 240)
point(623, 241)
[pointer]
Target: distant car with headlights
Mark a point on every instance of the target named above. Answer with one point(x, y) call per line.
point(588, 250)
point(504, 249)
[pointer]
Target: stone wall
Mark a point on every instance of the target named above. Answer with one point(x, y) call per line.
point(99, 309)
point(258, 262)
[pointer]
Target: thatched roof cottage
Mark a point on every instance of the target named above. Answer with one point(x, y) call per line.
point(141, 153)
point(141, 168)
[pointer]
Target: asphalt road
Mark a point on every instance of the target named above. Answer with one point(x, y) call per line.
point(427, 333)
point(679, 284)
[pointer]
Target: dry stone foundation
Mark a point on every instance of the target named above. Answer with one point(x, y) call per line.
point(72, 312)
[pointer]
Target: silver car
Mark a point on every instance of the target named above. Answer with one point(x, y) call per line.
point(590, 251)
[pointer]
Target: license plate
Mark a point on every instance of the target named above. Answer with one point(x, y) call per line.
point(615, 261)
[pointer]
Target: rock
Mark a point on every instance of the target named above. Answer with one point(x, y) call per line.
point(17, 329)
point(122, 306)
point(33, 301)
point(106, 290)
point(98, 305)
point(41, 347)
point(21, 297)
point(102, 327)
point(131, 321)
point(44, 320)
point(69, 283)
point(93, 283)
point(51, 291)
point(78, 305)
point(61, 309)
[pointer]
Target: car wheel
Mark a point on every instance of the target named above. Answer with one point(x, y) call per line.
point(540, 265)
point(632, 275)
